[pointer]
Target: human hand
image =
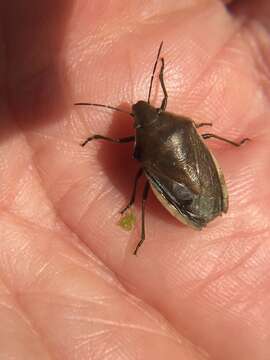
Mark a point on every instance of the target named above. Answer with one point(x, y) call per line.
point(70, 286)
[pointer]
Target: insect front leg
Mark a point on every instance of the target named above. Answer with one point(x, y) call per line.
point(144, 198)
point(208, 136)
point(133, 195)
point(101, 137)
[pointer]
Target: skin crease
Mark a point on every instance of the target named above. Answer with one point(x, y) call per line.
point(70, 287)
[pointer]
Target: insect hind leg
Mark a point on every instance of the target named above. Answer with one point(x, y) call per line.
point(134, 190)
point(144, 198)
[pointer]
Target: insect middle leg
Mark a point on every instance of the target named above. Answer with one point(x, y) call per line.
point(133, 195)
point(101, 137)
point(144, 198)
point(161, 79)
point(208, 136)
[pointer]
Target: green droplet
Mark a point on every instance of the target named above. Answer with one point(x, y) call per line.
point(127, 221)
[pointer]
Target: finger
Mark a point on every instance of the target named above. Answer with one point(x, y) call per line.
point(66, 304)
point(215, 92)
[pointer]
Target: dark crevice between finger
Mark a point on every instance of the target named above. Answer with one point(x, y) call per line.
point(258, 10)
point(255, 16)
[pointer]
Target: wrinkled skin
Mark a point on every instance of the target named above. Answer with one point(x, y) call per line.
point(70, 286)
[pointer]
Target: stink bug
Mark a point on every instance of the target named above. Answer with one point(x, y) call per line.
point(181, 170)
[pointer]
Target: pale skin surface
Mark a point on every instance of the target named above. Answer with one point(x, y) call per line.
point(70, 286)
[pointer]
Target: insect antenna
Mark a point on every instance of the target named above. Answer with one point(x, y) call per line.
point(105, 106)
point(153, 73)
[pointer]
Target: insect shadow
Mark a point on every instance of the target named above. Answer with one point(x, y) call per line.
point(178, 166)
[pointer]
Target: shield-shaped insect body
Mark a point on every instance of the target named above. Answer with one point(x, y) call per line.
point(179, 167)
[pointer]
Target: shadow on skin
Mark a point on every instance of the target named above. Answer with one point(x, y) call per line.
point(35, 87)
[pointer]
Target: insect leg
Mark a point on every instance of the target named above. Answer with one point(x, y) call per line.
point(101, 137)
point(208, 136)
point(144, 197)
point(202, 124)
point(161, 79)
point(133, 195)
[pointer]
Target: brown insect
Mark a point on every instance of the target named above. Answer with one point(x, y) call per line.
point(179, 167)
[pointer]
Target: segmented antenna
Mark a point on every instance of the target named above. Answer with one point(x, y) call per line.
point(105, 106)
point(153, 73)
